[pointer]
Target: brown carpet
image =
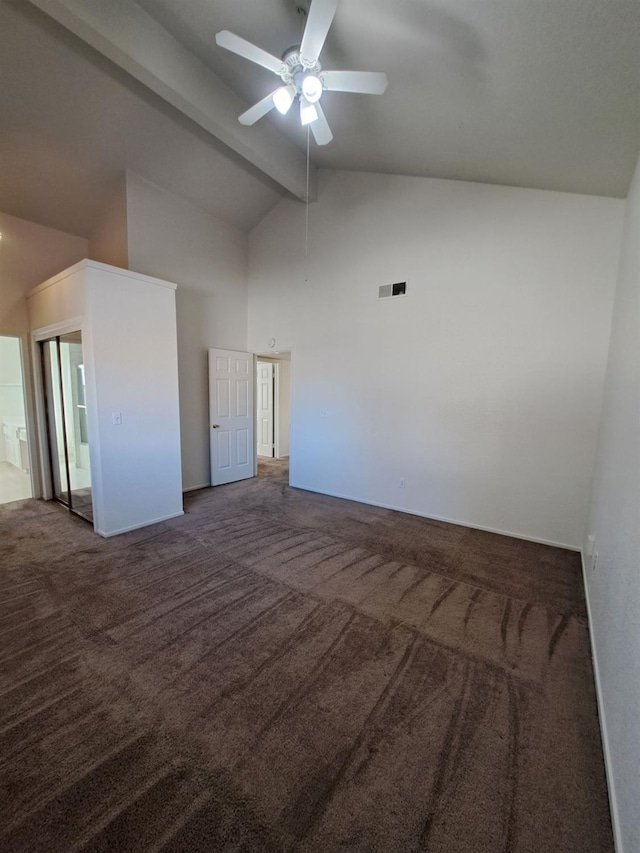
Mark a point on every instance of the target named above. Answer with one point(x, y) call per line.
point(278, 670)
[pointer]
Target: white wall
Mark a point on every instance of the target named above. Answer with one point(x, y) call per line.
point(614, 588)
point(108, 242)
point(133, 328)
point(29, 254)
point(128, 326)
point(482, 388)
point(284, 406)
point(60, 299)
point(11, 392)
point(10, 372)
point(171, 238)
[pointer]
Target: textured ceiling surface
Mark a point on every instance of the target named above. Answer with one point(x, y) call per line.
point(531, 93)
point(70, 123)
point(539, 94)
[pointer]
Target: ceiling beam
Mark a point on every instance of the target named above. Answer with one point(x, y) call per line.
point(133, 40)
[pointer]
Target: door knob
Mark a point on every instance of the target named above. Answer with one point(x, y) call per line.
point(215, 426)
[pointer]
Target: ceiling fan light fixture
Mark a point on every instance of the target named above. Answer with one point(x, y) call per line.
point(311, 88)
point(308, 113)
point(283, 98)
point(300, 72)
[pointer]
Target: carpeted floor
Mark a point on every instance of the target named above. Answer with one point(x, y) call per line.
point(278, 670)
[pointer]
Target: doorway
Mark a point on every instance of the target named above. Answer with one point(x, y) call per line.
point(63, 376)
point(273, 413)
point(265, 396)
point(15, 468)
point(236, 436)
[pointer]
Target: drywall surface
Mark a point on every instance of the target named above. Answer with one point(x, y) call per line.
point(108, 242)
point(482, 387)
point(135, 376)
point(614, 587)
point(284, 406)
point(11, 393)
point(172, 239)
point(10, 370)
point(129, 347)
point(60, 300)
point(29, 254)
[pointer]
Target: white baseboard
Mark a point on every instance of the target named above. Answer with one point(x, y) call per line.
point(536, 539)
point(613, 803)
point(138, 526)
point(196, 488)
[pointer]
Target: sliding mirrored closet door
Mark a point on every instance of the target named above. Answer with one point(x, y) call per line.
point(65, 399)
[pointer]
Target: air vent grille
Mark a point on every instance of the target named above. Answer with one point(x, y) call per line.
point(387, 290)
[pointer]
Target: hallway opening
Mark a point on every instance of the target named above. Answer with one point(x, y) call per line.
point(15, 468)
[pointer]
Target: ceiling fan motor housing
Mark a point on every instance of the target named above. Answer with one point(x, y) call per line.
point(301, 72)
point(295, 68)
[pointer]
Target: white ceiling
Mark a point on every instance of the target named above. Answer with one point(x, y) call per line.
point(70, 122)
point(534, 93)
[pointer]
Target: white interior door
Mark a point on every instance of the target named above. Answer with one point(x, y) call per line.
point(231, 416)
point(265, 408)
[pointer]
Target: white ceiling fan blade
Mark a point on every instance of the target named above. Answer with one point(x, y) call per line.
point(321, 14)
point(320, 127)
point(242, 47)
point(365, 82)
point(258, 110)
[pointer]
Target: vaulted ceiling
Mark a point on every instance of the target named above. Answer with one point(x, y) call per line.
point(537, 94)
point(541, 94)
point(71, 122)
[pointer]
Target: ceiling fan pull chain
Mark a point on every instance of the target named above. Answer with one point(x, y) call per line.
point(306, 213)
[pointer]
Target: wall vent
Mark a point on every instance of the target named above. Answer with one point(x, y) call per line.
point(397, 289)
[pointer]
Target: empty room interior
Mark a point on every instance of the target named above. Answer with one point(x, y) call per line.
point(320, 426)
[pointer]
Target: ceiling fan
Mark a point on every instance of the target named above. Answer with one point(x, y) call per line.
point(301, 73)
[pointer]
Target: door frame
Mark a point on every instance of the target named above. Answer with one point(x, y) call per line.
point(249, 358)
point(274, 396)
point(276, 410)
point(261, 356)
point(37, 336)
